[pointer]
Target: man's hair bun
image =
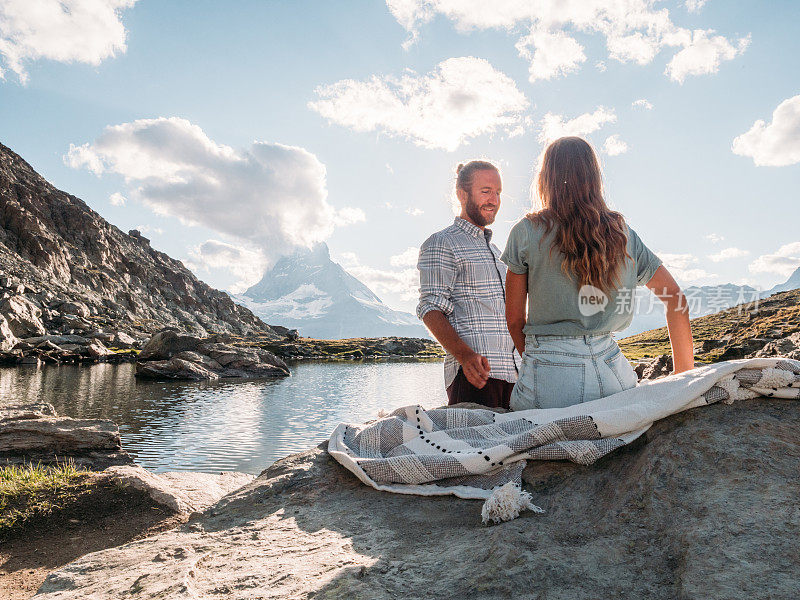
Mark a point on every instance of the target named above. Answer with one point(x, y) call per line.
point(459, 167)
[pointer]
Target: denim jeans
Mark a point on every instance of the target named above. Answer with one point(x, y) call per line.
point(561, 370)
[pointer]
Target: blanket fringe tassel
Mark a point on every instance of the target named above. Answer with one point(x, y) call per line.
point(506, 502)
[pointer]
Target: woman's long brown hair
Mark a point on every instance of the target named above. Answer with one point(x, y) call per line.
point(591, 237)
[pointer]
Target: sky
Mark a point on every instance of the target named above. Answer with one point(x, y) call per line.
point(232, 133)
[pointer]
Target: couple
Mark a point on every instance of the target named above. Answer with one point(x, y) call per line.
point(574, 265)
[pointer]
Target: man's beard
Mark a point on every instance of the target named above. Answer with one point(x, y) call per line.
point(474, 213)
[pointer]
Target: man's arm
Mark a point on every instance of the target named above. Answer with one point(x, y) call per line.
point(437, 276)
point(476, 367)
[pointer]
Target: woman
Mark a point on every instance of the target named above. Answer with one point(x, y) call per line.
point(581, 264)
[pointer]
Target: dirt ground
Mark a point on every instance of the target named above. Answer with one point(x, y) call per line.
point(105, 516)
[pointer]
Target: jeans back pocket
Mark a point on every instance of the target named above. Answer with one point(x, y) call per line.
point(558, 384)
point(622, 369)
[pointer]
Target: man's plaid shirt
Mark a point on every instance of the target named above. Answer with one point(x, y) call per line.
point(461, 275)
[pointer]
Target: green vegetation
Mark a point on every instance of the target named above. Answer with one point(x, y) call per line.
point(31, 491)
point(743, 326)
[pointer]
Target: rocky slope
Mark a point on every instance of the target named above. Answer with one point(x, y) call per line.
point(65, 270)
point(704, 505)
point(767, 327)
point(702, 301)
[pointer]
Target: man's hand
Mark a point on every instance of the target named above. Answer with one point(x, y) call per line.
point(476, 368)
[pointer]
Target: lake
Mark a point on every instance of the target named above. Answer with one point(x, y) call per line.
point(228, 425)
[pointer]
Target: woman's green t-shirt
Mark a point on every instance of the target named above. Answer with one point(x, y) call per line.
point(556, 304)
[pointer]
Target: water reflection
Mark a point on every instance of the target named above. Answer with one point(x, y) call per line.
point(224, 426)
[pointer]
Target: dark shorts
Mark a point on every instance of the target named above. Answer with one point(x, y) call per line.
point(495, 394)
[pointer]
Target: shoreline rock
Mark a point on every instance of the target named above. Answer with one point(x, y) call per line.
point(34, 433)
point(172, 355)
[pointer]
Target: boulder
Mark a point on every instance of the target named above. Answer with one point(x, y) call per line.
point(7, 338)
point(170, 355)
point(96, 349)
point(788, 346)
point(661, 366)
point(174, 368)
point(704, 505)
point(59, 435)
point(122, 340)
point(181, 491)
point(23, 316)
point(27, 411)
point(31, 433)
point(167, 342)
point(78, 309)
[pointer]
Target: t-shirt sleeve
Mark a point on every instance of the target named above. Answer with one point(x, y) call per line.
point(647, 262)
point(516, 253)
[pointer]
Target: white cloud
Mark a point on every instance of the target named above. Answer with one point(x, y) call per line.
point(556, 126)
point(634, 31)
point(677, 261)
point(695, 5)
point(348, 259)
point(615, 145)
point(399, 284)
point(783, 262)
point(462, 99)
point(407, 258)
point(414, 212)
point(681, 266)
point(601, 66)
point(271, 195)
point(703, 55)
point(86, 31)
point(642, 103)
point(348, 215)
point(776, 144)
point(550, 54)
point(117, 199)
point(727, 254)
point(149, 229)
point(714, 237)
point(248, 265)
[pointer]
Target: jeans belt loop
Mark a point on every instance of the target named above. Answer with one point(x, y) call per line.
point(534, 341)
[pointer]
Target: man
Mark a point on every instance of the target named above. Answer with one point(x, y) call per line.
point(462, 294)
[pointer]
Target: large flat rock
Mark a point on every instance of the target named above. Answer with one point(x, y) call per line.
point(705, 505)
point(181, 491)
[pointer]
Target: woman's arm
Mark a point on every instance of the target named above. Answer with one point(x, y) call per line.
point(667, 290)
point(516, 302)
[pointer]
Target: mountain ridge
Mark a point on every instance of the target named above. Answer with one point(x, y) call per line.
point(56, 250)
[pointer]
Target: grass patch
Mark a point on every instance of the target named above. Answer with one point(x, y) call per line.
point(31, 491)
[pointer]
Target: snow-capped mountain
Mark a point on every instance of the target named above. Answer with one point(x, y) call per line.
point(309, 292)
point(705, 300)
point(792, 283)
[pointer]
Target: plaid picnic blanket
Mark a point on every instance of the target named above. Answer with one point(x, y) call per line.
point(471, 452)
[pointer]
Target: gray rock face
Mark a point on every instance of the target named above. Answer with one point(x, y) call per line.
point(59, 435)
point(703, 506)
point(661, 366)
point(23, 316)
point(7, 338)
point(788, 346)
point(34, 433)
point(181, 491)
point(77, 269)
point(172, 355)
